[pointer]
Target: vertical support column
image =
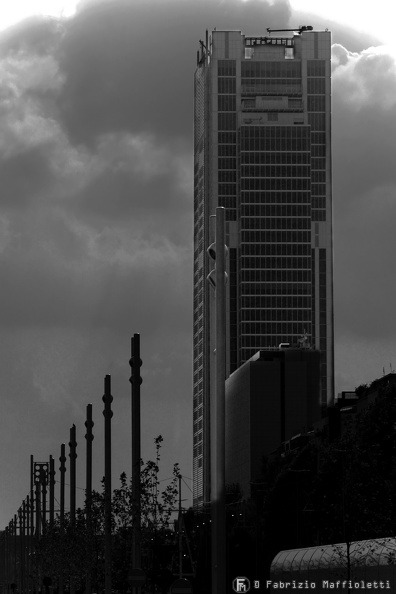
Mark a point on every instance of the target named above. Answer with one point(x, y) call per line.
point(10, 553)
point(38, 510)
point(51, 491)
point(44, 481)
point(72, 456)
point(31, 508)
point(32, 540)
point(28, 544)
point(219, 567)
point(88, 495)
point(22, 533)
point(20, 553)
point(136, 562)
point(62, 468)
point(14, 528)
point(180, 527)
point(107, 413)
point(6, 559)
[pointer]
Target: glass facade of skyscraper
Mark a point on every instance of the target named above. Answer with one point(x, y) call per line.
point(263, 151)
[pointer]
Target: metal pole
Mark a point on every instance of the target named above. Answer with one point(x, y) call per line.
point(12, 565)
point(51, 491)
point(44, 478)
point(88, 495)
point(32, 541)
point(107, 412)
point(22, 532)
point(6, 560)
point(38, 510)
point(219, 567)
point(15, 550)
point(28, 550)
point(20, 572)
point(10, 555)
point(136, 381)
point(88, 487)
point(62, 468)
point(180, 533)
point(31, 512)
point(72, 456)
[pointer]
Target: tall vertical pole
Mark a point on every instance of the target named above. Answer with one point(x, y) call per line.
point(88, 495)
point(51, 491)
point(62, 468)
point(12, 566)
point(28, 543)
point(21, 550)
point(32, 483)
point(180, 532)
point(219, 568)
point(15, 526)
point(107, 413)
point(32, 540)
point(38, 510)
point(6, 560)
point(43, 480)
point(10, 556)
point(23, 547)
point(31, 508)
point(136, 381)
point(72, 456)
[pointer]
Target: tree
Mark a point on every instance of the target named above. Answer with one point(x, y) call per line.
point(67, 549)
point(338, 492)
point(356, 479)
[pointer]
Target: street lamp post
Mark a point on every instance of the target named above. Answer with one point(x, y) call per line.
point(136, 575)
point(88, 494)
point(218, 252)
point(107, 413)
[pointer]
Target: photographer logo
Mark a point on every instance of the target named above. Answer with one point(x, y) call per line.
point(241, 584)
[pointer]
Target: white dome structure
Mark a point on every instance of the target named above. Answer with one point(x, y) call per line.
point(369, 561)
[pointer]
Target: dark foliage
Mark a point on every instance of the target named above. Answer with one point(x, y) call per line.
point(69, 550)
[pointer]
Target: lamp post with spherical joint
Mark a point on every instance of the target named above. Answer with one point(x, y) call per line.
point(218, 278)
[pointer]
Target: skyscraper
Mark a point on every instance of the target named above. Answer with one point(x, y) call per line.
point(262, 149)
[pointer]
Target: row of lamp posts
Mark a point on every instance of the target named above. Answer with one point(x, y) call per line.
point(18, 557)
point(37, 512)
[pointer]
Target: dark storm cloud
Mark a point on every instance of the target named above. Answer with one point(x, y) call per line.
point(19, 189)
point(143, 179)
point(97, 116)
point(129, 65)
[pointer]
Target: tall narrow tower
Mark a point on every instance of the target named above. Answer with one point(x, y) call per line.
point(262, 149)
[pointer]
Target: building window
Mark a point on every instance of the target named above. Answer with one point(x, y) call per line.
point(289, 53)
point(227, 121)
point(316, 103)
point(316, 68)
point(226, 102)
point(226, 85)
point(227, 68)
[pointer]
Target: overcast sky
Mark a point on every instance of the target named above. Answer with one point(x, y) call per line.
point(96, 108)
